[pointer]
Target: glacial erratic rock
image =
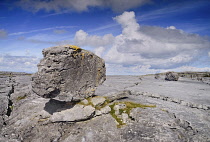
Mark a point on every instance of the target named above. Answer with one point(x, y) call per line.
point(68, 73)
point(171, 76)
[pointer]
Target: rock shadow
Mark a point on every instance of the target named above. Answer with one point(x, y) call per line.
point(53, 106)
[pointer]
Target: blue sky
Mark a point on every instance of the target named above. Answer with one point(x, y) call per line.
point(132, 36)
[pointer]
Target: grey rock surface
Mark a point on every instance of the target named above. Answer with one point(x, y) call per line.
point(68, 73)
point(6, 89)
point(178, 116)
point(75, 114)
point(171, 76)
point(104, 110)
point(97, 100)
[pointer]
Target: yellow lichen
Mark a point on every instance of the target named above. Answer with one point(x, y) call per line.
point(83, 56)
point(76, 48)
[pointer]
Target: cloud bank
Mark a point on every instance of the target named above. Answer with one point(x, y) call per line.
point(41, 30)
point(18, 63)
point(136, 50)
point(3, 33)
point(83, 39)
point(79, 5)
point(146, 49)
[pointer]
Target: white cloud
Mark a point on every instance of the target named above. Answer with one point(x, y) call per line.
point(83, 39)
point(3, 33)
point(194, 69)
point(171, 27)
point(47, 39)
point(59, 31)
point(27, 63)
point(1, 59)
point(156, 46)
point(99, 51)
point(147, 49)
point(41, 30)
point(80, 5)
point(19, 63)
point(119, 69)
point(209, 54)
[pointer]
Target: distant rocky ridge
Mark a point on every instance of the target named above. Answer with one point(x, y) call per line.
point(200, 76)
point(8, 73)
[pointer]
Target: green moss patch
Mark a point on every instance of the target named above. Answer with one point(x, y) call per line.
point(119, 120)
point(127, 109)
point(97, 107)
point(111, 104)
point(20, 98)
point(88, 104)
point(107, 101)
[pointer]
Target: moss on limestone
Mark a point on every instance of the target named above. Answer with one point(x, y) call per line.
point(119, 120)
point(106, 102)
point(20, 98)
point(86, 104)
point(11, 107)
point(97, 107)
point(127, 110)
point(129, 106)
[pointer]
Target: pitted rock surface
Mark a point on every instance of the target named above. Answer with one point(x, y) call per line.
point(171, 76)
point(77, 113)
point(68, 73)
point(175, 118)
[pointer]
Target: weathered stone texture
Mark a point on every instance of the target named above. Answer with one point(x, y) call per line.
point(68, 73)
point(77, 113)
point(172, 76)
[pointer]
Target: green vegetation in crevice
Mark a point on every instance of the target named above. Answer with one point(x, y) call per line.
point(97, 107)
point(88, 104)
point(11, 107)
point(106, 102)
point(119, 120)
point(127, 110)
point(111, 104)
point(20, 98)
point(164, 110)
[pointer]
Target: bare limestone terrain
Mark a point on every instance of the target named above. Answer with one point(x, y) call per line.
point(171, 111)
point(65, 101)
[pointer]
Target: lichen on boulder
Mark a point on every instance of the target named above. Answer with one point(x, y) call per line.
point(68, 73)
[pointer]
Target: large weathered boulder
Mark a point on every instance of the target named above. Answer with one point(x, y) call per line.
point(68, 73)
point(171, 76)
